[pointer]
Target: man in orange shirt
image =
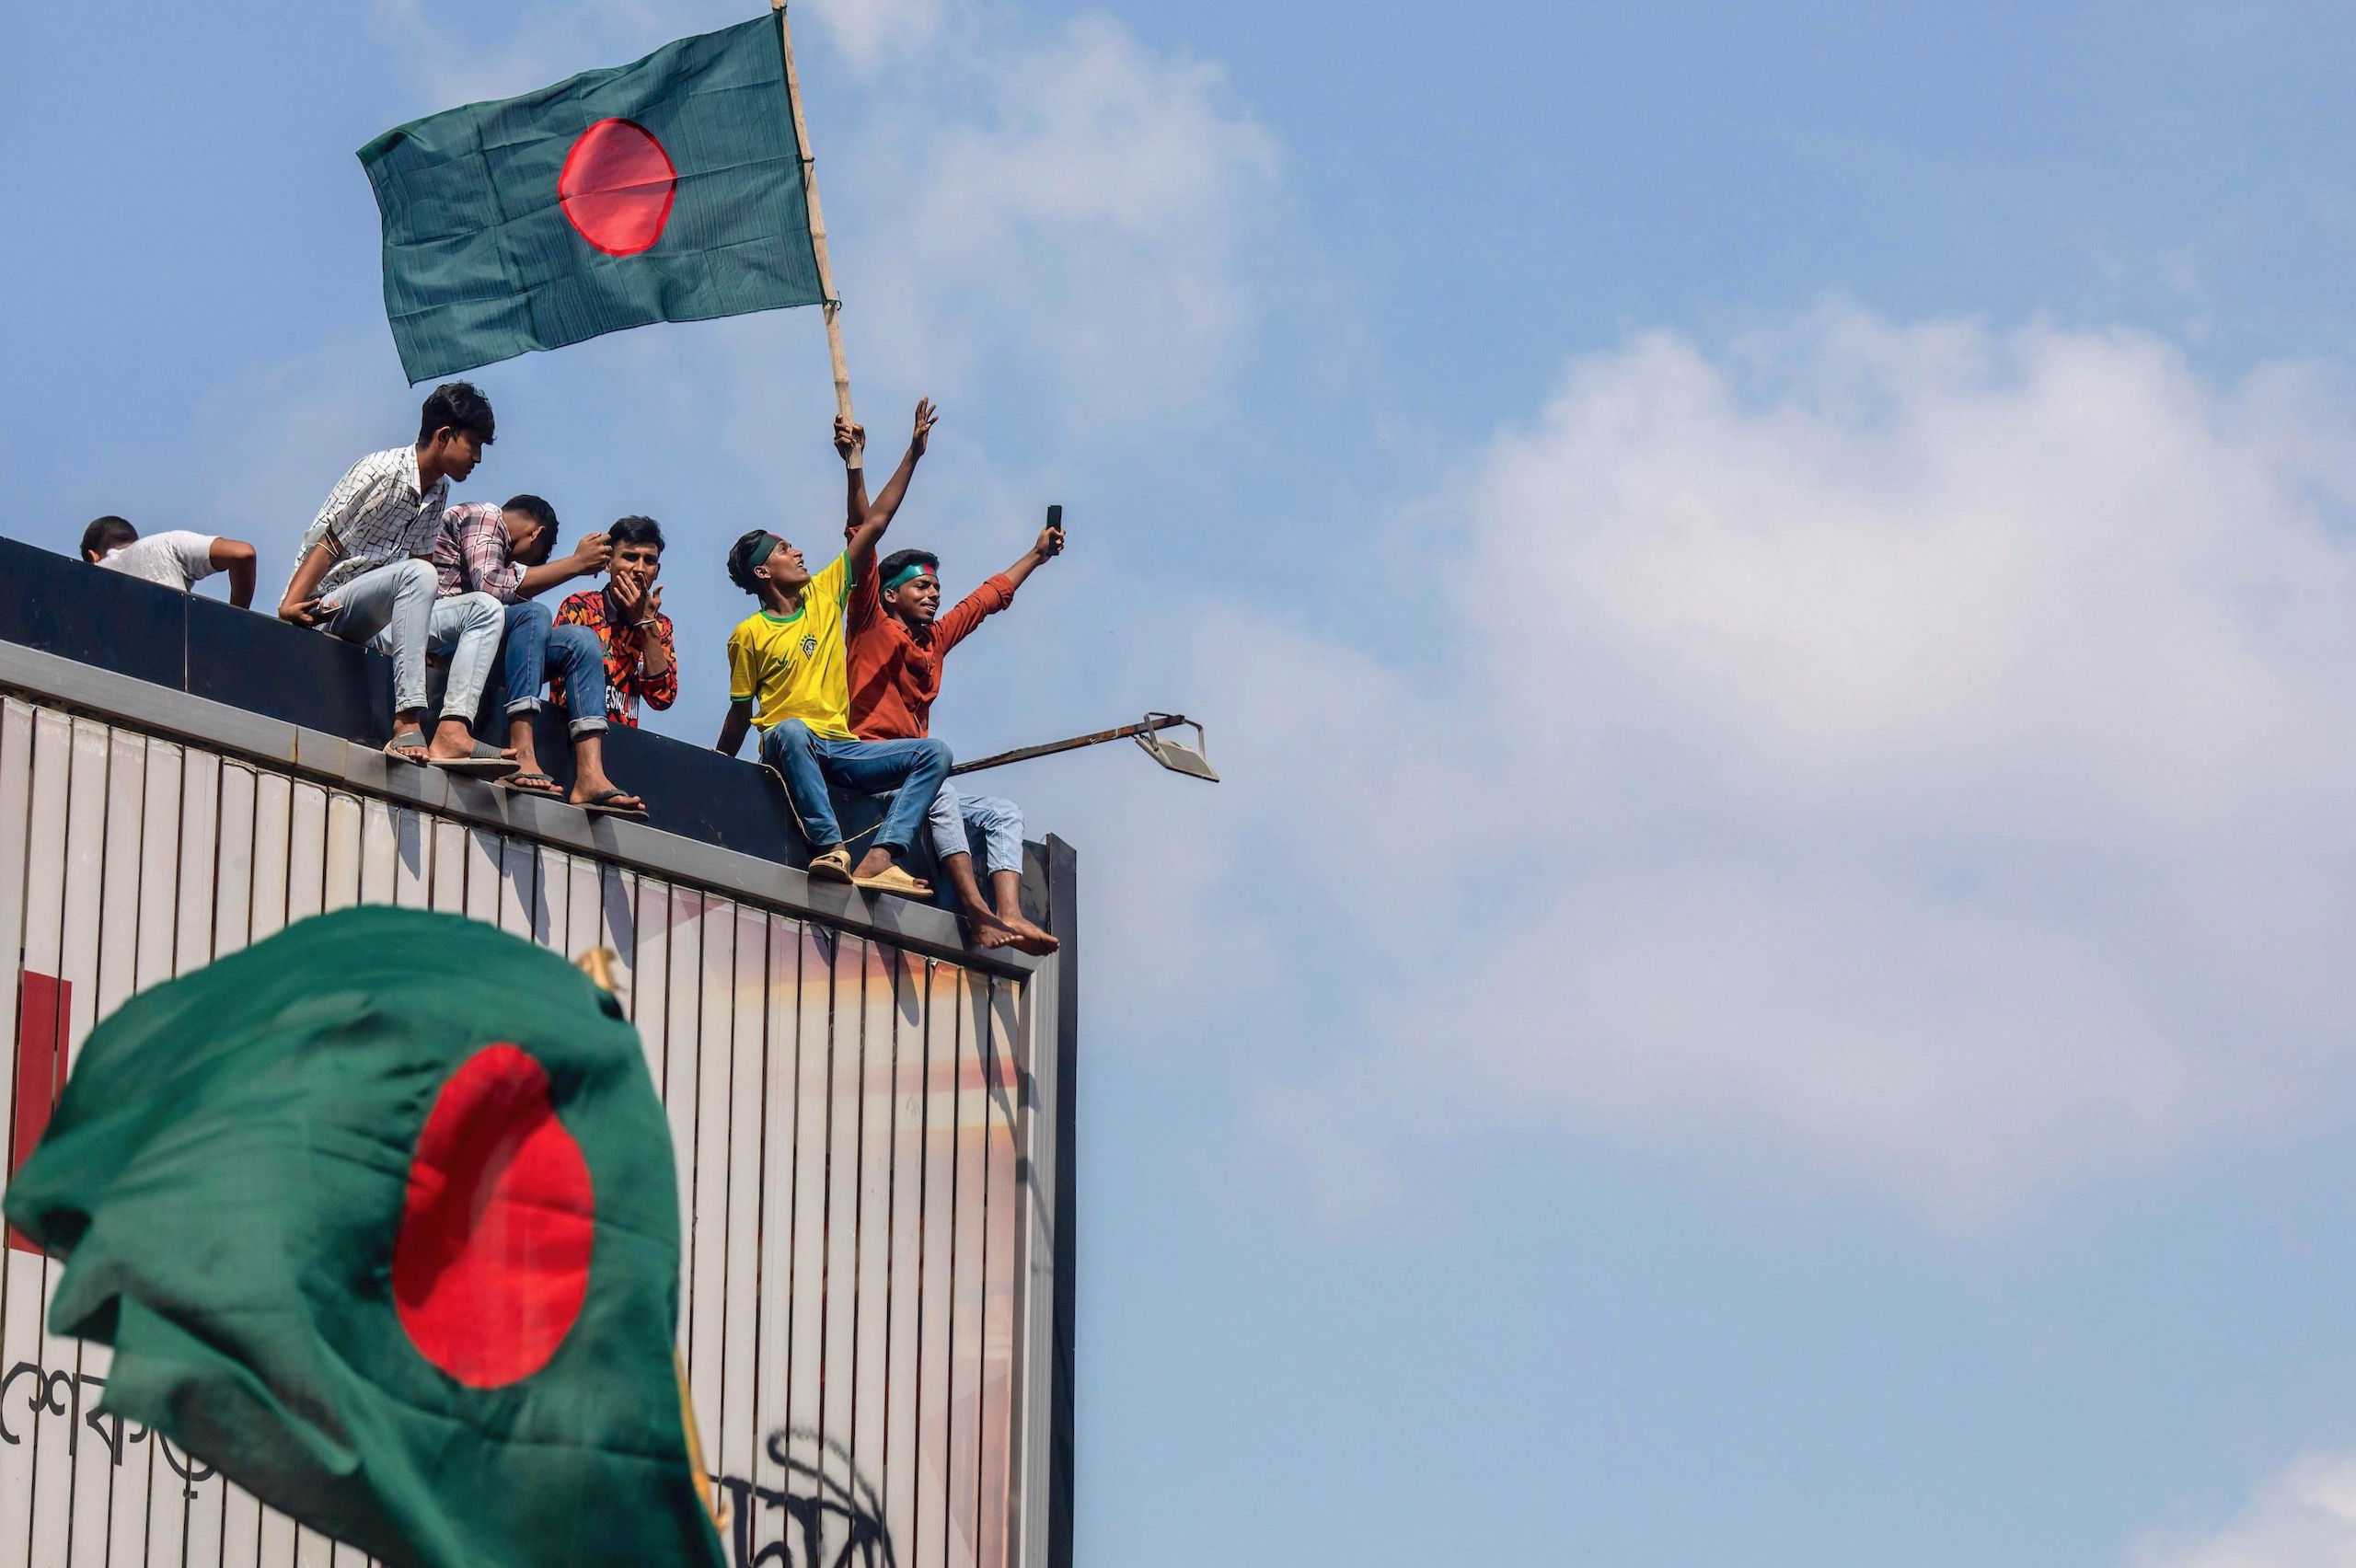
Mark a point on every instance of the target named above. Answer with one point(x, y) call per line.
point(897, 638)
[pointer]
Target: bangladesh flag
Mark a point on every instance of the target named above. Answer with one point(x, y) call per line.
point(380, 1218)
point(668, 190)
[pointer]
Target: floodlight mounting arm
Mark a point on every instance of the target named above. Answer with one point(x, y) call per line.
point(1191, 761)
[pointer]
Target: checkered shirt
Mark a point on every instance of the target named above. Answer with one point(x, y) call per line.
point(473, 554)
point(377, 515)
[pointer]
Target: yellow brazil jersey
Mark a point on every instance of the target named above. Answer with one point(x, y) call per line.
point(791, 666)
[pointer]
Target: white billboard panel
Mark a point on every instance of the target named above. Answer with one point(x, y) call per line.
point(854, 1121)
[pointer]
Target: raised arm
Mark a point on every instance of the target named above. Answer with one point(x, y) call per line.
point(588, 558)
point(1049, 544)
point(956, 624)
point(657, 660)
point(638, 616)
point(878, 516)
point(850, 442)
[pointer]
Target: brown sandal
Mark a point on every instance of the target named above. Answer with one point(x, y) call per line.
point(892, 879)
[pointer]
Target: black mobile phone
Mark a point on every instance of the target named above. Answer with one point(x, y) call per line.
point(1055, 521)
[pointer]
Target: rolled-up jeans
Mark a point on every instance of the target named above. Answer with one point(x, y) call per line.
point(956, 820)
point(536, 649)
point(810, 761)
point(392, 609)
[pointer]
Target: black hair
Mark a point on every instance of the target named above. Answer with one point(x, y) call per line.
point(456, 405)
point(891, 564)
point(104, 533)
point(636, 530)
point(740, 559)
point(541, 511)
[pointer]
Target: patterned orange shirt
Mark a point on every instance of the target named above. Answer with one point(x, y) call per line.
point(626, 677)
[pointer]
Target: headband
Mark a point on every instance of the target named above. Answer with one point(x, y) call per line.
point(763, 550)
point(915, 568)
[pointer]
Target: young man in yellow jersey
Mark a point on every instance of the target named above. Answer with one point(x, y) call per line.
point(787, 677)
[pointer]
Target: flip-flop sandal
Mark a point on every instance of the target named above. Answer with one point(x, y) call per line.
point(533, 784)
point(601, 804)
point(484, 763)
point(409, 746)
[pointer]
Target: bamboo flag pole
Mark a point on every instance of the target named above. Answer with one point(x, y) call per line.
point(834, 305)
point(715, 1505)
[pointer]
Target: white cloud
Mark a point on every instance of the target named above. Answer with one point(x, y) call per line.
point(2303, 1518)
point(873, 33)
point(1074, 222)
point(1925, 753)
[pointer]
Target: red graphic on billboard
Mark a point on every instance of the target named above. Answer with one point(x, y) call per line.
point(43, 1004)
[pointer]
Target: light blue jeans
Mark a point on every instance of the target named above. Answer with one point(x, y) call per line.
point(393, 610)
point(956, 820)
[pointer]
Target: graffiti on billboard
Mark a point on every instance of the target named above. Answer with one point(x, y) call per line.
point(833, 1516)
point(60, 1393)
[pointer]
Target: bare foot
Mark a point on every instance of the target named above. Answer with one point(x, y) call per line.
point(1027, 938)
point(985, 929)
point(874, 863)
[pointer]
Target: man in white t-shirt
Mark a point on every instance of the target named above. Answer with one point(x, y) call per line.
point(177, 559)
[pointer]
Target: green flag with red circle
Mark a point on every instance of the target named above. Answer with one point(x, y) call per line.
point(670, 190)
point(380, 1218)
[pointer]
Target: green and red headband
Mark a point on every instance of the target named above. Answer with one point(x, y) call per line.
point(908, 575)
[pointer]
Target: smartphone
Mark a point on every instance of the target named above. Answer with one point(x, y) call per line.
point(1055, 521)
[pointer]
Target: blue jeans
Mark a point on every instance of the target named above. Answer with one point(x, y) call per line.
point(537, 649)
point(957, 819)
point(810, 762)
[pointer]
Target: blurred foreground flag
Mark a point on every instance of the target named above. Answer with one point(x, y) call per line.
point(380, 1216)
point(668, 190)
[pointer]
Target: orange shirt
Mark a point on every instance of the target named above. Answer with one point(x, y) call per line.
point(896, 672)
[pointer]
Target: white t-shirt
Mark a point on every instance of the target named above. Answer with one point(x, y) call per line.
point(175, 559)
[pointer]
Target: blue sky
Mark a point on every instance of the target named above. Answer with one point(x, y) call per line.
point(1773, 586)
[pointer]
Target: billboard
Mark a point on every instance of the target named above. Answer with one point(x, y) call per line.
point(866, 1281)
